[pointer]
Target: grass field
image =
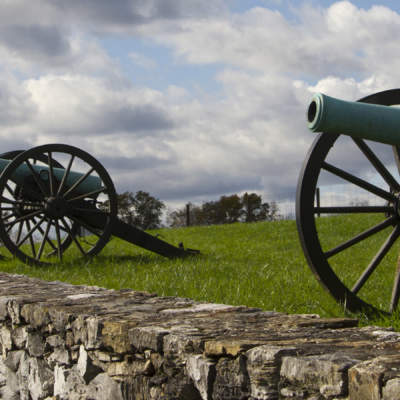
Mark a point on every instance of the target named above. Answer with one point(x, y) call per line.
point(257, 265)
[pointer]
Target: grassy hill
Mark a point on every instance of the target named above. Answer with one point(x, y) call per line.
point(257, 265)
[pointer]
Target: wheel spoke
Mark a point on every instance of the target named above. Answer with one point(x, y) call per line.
point(8, 201)
point(46, 236)
point(78, 182)
point(10, 190)
point(65, 176)
point(37, 179)
point(381, 169)
point(24, 217)
point(9, 216)
point(353, 210)
point(376, 260)
point(394, 301)
point(19, 233)
point(45, 239)
point(73, 236)
point(30, 232)
point(358, 182)
point(58, 236)
point(360, 237)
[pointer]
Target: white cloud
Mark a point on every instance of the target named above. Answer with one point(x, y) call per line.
point(61, 85)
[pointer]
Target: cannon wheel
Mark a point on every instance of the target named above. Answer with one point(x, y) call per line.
point(10, 155)
point(320, 260)
point(43, 217)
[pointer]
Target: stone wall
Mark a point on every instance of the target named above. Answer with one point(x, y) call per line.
point(59, 341)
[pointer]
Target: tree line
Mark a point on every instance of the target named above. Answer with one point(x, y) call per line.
point(145, 211)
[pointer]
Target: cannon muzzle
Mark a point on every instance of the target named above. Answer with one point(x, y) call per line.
point(360, 120)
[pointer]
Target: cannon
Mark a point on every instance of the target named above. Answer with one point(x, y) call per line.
point(57, 199)
point(356, 269)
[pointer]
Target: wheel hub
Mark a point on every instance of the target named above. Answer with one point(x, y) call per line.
point(56, 207)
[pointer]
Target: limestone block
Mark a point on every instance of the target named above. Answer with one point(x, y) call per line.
point(232, 381)
point(325, 373)
point(5, 340)
point(9, 388)
point(94, 328)
point(14, 311)
point(35, 315)
point(23, 376)
point(263, 366)
point(59, 356)
point(35, 344)
point(85, 366)
point(55, 341)
point(40, 380)
point(391, 391)
point(115, 335)
point(202, 372)
point(12, 359)
point(68, 384)
point(20, 336)
point(371, 378)
point(103, 387)
point(148, 337)
point(3, 307)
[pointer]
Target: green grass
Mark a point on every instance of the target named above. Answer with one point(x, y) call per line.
point(257, 265)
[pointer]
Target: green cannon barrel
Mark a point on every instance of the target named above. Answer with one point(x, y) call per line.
point(360, 120)
point(89, 184)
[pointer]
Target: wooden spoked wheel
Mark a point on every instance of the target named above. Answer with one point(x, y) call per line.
point(362, 269)
point(48, 211)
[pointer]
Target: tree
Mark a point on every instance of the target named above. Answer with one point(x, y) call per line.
point(254, 209)
point(141, 209)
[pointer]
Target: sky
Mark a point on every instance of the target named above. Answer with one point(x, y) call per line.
point(188, 100)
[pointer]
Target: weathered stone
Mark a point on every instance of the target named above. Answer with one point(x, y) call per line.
point(148, 337)
point(59, 356)
point(3, 308)
point(115, 335)
point(263, 366)
point(202, 372)
point(367, 380)
point(40, 380)
point(103, 387)
point(12, 359)
point(14, 311)
point(9, 387)
point(326, 373)
point(5, 339)
point(20, 336)
point(232, 381)
point(55, 341)
point(35, 315)
point(391, 391)
point(85, 366)
point(35, 344)
point(65, 342)
point(94, 327)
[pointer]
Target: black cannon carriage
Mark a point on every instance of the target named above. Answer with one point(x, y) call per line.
point(56, 199)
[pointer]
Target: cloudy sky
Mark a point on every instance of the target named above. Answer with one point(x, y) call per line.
point(188, 99)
